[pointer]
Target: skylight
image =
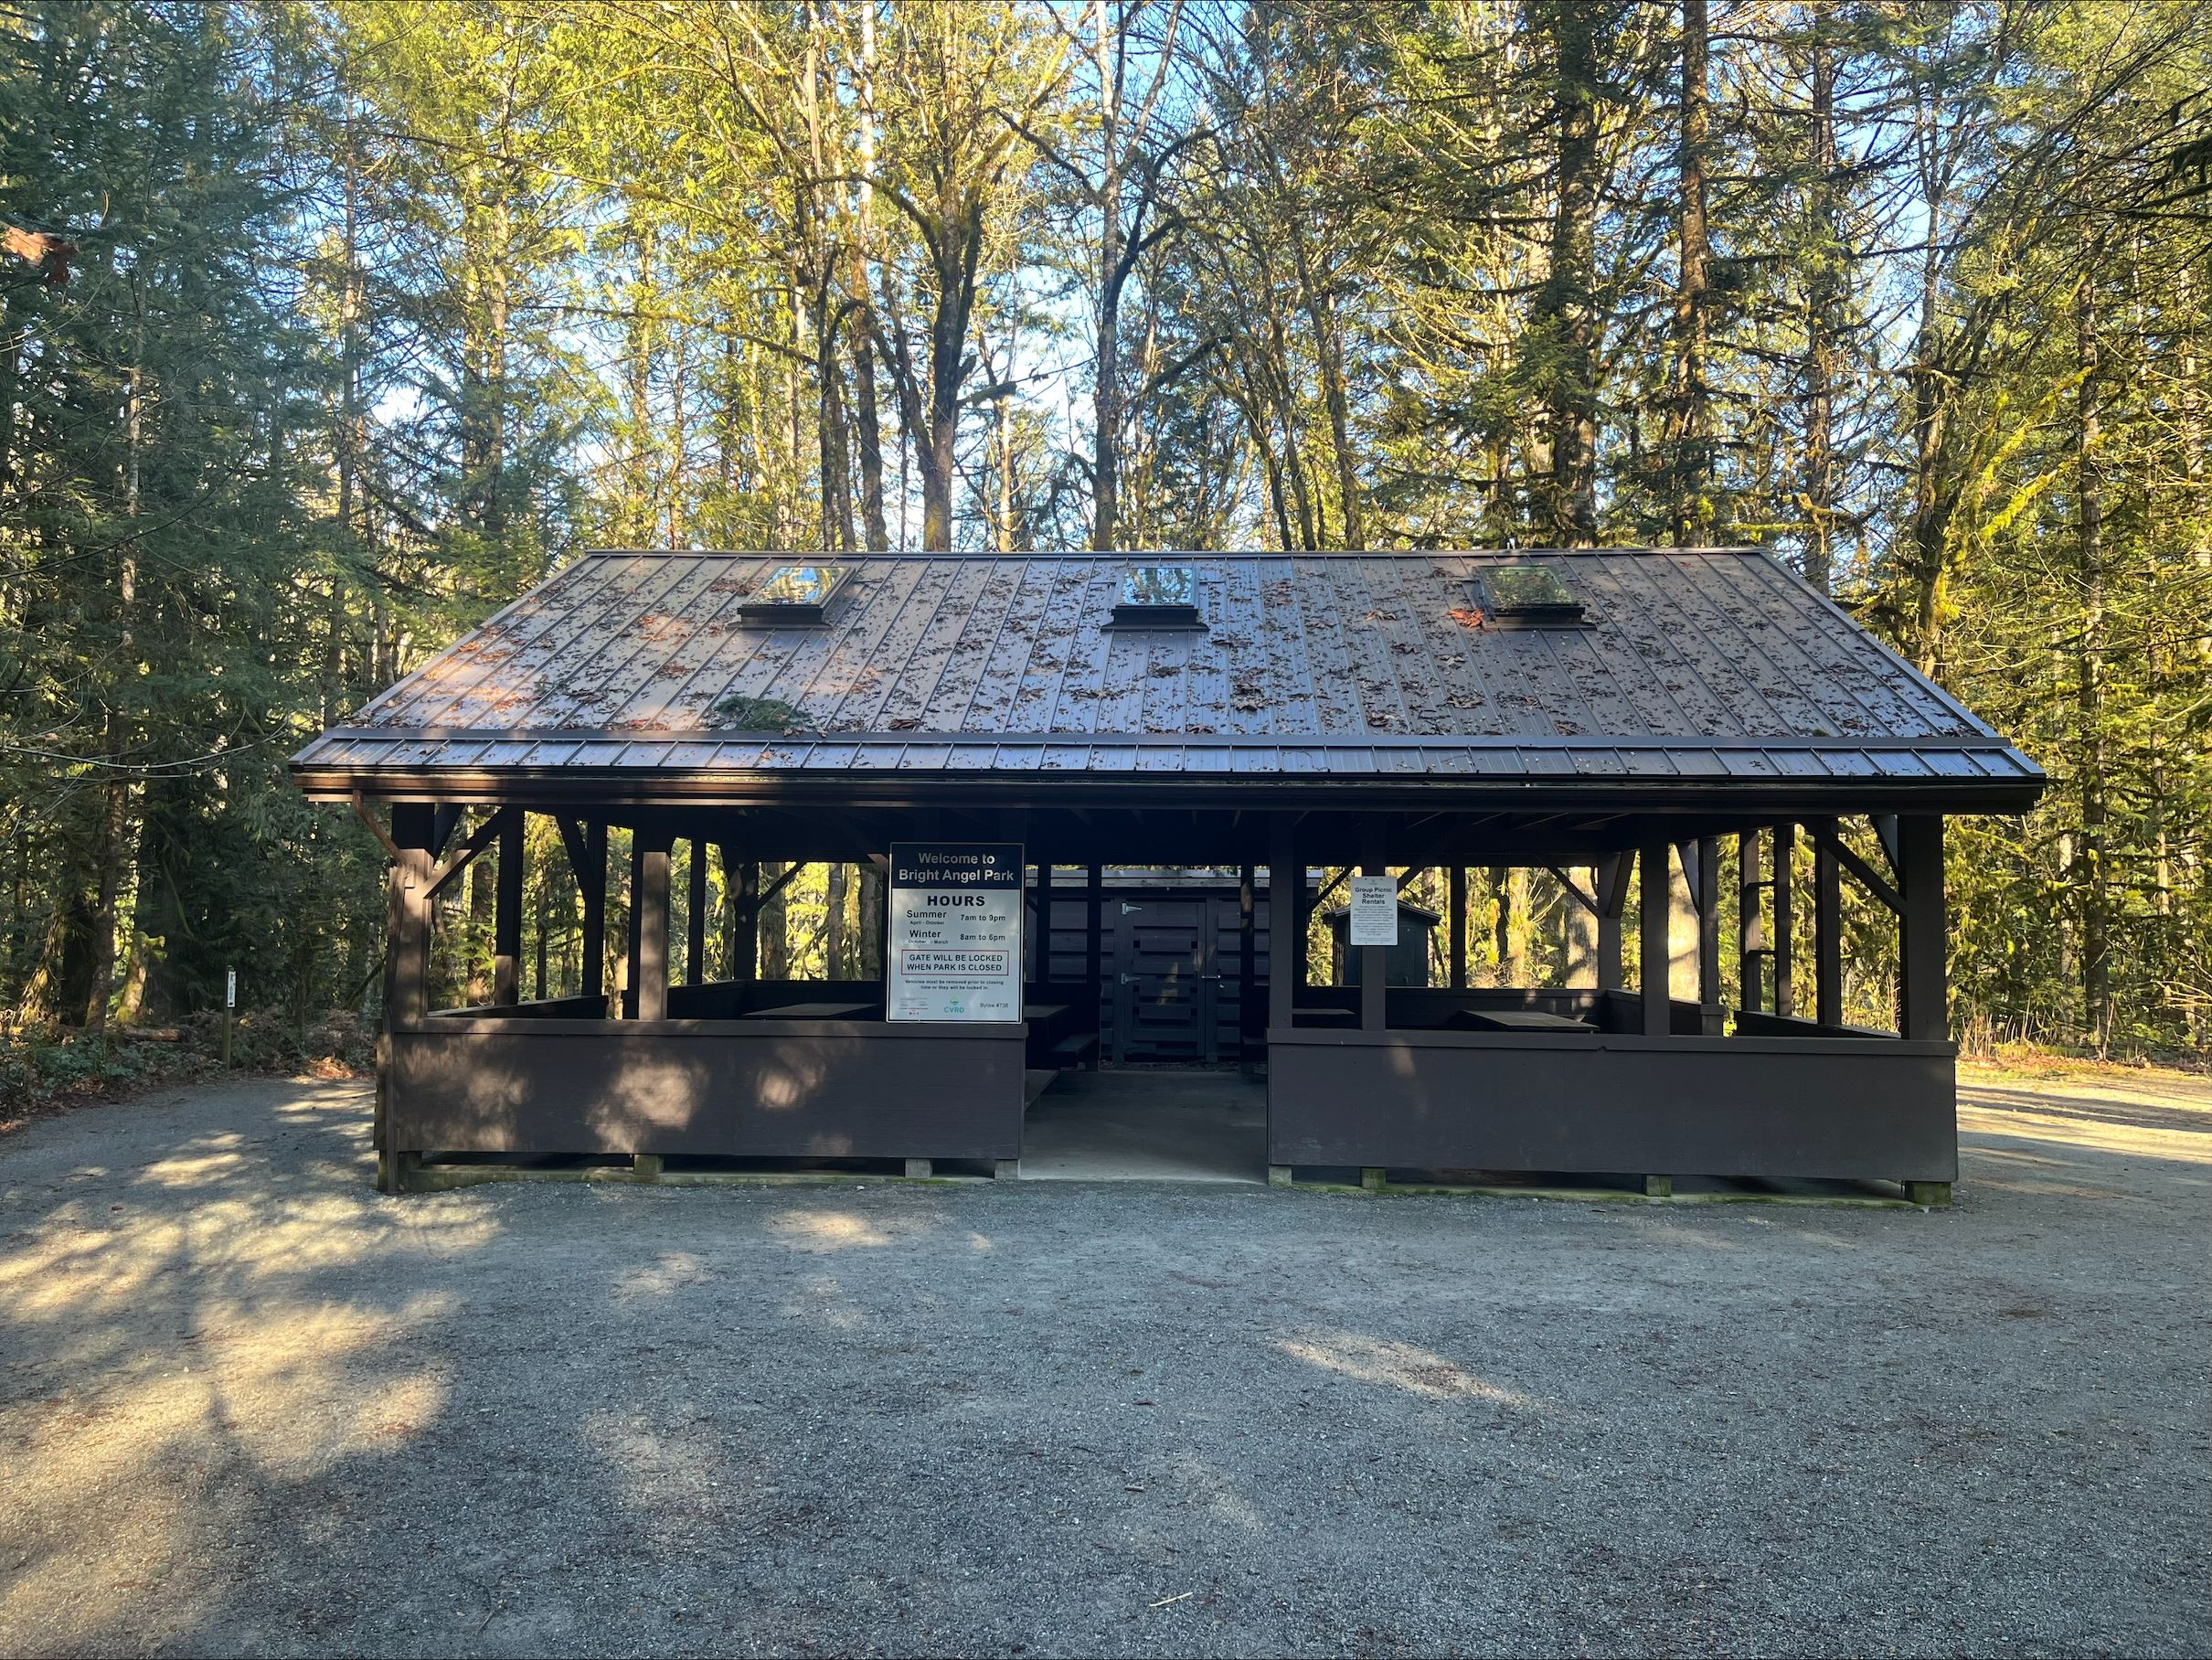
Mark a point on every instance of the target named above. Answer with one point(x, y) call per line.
point(795, 593)
point(1529, 596)
point(1159, 596)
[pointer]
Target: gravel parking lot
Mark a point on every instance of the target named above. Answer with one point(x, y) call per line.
point(247, 1406)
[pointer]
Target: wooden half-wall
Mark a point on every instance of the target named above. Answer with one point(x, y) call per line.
point(768, 1089)
point(1775, 1108)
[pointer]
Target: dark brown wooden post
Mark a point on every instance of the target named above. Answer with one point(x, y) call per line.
point(1827, 930)
point(406, 963)
point(1652, 867)
point(1785, 918)
point(1612, 874)
point(1374, 960)
point(593, 981)
point(1040, 969)
point(1094, 933)
point(649, 903)
point(745, 960)
point(1709, 935)
point(695, 917)
point(1920, 930)
point(1282, 924)
point(1457, 934)
point(1751, 926)
point(1248, 958)
point(507, 915)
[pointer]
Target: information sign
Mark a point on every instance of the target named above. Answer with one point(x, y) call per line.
point(956, 945)
point(1374, 911)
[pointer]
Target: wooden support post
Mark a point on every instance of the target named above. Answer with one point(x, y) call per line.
point(1750, 927)
point(1457, 933)
point(1247, 959)
point(1040, 965)
point(507, 915)
point(406, 966)
point(1708, 897)
point(1920, 932)
point(1284, 924)
point(1006, 1170)
point(1374, 960)
point(919, 1168)
point(1654, 863)
point(1658, 1187)
point(745, 964)
point(647, 1166)
point(592, 981)
point(1827, 936)
point(1786, 918)
point(695, 917)
point(1612, 874)
point(1094, 935)
point(1373, 1177)
point(649, 909)
point(1278, 1176)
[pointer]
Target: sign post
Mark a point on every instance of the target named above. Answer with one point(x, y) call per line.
point(230, 1011)
point(956, 945)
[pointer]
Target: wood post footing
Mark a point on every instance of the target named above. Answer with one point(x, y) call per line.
point(921, 1167)
point(1658, 1187)
point(1278, 1176)
point(1371, 1178)
point(1006, 1169)
point(648, 1166)
point(1928, 1194)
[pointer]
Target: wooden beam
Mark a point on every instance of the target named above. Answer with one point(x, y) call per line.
point(507, 916)
point(362, 812)
point(1825, 836)
point(1706, 891)
point(1784, 881)
point(1284, 878)
point(1751, 926)
point(1248, 958)
point(1040, 965)
point(1828, 927)
point(1654, 866)
point(1920, 932)
point(1457, 933)
point(1589, 901)
point(649, 906)
point(695, 917)
point(455, 862)
point(745, 962)
point(1374, 960)
point(1094, 932)
point(1613, 870)
point(592, 876)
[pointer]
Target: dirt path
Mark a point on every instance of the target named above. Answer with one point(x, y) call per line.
point(246, 1405)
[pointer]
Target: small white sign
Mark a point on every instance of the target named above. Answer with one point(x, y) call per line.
point(1374, 911)
point(956, 950)
point(231, 991)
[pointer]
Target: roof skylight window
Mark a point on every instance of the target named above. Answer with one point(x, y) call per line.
point(1529, 596)
point(795, 593)
point(1159, 596)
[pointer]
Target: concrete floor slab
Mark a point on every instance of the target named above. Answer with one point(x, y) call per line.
point(1135, 1124)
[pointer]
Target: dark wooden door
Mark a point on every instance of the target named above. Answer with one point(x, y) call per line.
point(1165, 989)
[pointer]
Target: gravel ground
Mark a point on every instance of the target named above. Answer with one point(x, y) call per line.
point(249, 1407)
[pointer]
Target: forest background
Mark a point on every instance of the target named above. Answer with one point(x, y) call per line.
point(327, 328)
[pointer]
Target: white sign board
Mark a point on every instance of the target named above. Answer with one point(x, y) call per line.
point(230, 990)
point(1374, 911)
point(956, 945)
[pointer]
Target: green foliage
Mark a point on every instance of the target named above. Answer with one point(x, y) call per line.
point(379, 309)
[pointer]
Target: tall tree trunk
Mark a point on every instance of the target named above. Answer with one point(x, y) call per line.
point(1689, 438)
point(1564, 306)
point(1824, 324)
point(1106, 376)
point(866, 417)
point(2091, 880)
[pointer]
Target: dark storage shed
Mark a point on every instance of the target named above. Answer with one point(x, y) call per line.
point(1630, 720)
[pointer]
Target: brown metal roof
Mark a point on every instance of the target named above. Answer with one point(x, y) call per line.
point(1719, 667)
